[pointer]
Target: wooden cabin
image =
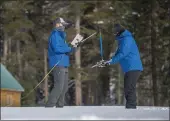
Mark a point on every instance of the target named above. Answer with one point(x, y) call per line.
point(10, 89)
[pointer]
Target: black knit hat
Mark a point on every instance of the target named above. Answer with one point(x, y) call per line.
point(117, 29)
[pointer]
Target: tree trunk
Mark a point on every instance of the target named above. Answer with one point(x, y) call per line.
point(19, 59)
point(5, 52)
point(153, 52)
point(78, 62)
point(45, 73)
point(112, 80)
point(119, 85)
point(112, 86)
point(9, 46)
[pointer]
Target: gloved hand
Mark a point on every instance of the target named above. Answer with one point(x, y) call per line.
point(107, 63)
point(76, 45)
point(101, 63)
point(73, 49)
point(77, 40)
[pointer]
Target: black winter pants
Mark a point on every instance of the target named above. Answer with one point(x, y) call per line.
point(130, 80)
point(60, 87)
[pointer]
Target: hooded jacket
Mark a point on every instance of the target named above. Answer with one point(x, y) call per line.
point(127, 53)
point(58, 49)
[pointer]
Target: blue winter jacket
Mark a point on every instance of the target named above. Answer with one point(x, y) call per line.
point(58, 49)
point(127, 53)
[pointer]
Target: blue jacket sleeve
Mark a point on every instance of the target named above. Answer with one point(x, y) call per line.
point(57, 46)
point(123, 50)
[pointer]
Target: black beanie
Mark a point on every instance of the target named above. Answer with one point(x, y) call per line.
point(118, 29)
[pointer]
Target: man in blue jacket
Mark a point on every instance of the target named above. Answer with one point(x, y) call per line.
point(58, 55)
point(128, 56)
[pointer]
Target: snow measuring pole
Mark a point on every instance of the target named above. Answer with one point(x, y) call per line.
point(101, 45)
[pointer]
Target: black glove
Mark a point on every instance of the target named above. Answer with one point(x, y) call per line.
point(105, 63)
point(78, 44)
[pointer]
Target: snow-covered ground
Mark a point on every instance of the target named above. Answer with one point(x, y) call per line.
point(85, 113)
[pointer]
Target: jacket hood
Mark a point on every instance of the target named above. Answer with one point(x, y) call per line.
point(124, 34)
point(61, 33)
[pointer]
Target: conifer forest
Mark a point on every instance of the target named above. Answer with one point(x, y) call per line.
point(25, 26)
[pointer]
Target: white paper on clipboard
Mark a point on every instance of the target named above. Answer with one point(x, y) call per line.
point(78, 38)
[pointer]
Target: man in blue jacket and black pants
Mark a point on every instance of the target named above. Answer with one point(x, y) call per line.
point(128, 56)
point(58, 55)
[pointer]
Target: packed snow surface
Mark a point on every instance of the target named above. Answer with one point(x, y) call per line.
point(85, 113)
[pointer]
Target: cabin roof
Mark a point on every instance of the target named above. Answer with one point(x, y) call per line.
point(8, 82)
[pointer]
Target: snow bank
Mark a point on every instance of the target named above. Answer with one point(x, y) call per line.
point(85, 113)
